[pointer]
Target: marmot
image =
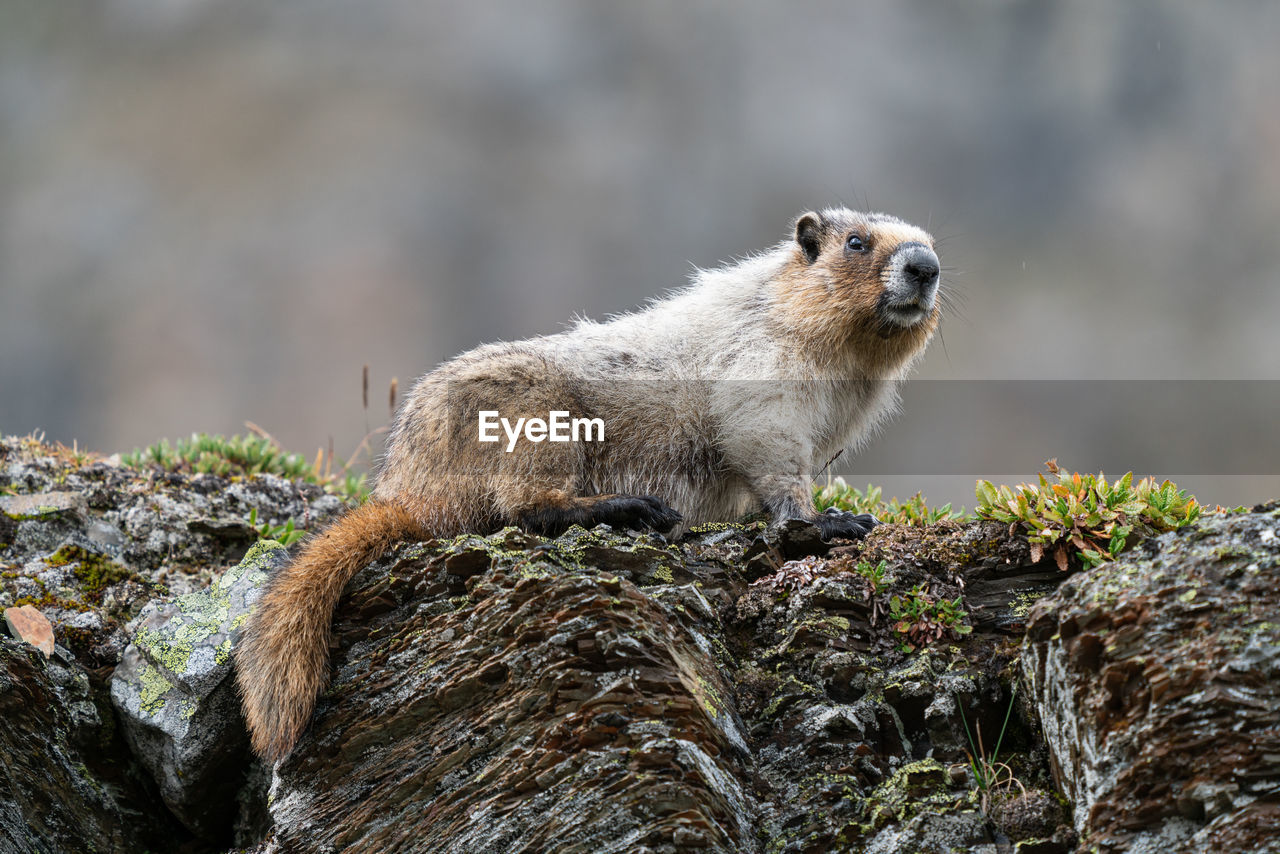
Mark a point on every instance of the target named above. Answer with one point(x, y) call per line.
point(723, 396)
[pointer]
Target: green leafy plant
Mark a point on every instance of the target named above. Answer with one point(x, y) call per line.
point(877, 576)
point(989, 774)
point(222, 455)
point(242, 456)
point(919, 619)
point(914, 511)
point(1086, 516)
point(286, 534)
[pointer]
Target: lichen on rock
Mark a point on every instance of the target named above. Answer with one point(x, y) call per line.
point(176, 697)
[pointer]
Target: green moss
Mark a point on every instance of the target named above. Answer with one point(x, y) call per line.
point(581, 550)
point(917, 668)
point(202, 614)
point(173, 655)
point(532, 569)
point(87, 777)
point(716, 527)
point(789, 690)
point(94, 572)
point(47, 599)
point(39, 511)
point(710, 699)
point(253, 556)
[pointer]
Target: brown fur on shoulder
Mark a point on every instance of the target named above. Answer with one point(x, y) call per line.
point(282, 663)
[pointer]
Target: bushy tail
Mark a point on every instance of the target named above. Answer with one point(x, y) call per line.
point(282, 661)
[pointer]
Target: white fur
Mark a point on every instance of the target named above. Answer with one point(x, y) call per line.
point(709, 403)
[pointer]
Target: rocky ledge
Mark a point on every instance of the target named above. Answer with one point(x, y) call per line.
point(928, 689)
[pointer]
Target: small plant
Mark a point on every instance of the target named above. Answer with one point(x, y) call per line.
point(914, 511)
point(989, 774)
point(877, 576)
point(352, 486)
point(220, 455)
point(73, 455)
point(241, 456)
point(1086, 516)
point(286, 534)
point(918, 619)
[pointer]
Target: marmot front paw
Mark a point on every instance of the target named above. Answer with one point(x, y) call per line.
point(636, 511)
point(835, 523)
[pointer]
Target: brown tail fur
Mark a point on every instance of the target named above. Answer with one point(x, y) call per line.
point(282, 663)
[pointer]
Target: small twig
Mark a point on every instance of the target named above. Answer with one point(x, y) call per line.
point(262, 434)
point(364, 394)
point(830, 461)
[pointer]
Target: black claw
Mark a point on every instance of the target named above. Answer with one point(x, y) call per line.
point(842, 524)
point(636, 511)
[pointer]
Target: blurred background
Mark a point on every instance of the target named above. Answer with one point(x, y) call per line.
point(218, 212)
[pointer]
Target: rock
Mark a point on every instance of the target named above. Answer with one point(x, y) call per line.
point(42, 505)
point(28, 624)
point(545, 707)
point(1157, 682)
point(89, 543)
point(66, 784)
point(177, 699)
point(41, 520)
point(1038, 820)
point(740, 689)
point(935, 833)
point(610, 692)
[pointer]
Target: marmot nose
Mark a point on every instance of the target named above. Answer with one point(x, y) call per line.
point(920, 267)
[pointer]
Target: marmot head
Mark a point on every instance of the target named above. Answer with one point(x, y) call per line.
point(866, 280)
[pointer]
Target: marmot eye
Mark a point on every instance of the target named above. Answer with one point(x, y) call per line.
point(855, 244)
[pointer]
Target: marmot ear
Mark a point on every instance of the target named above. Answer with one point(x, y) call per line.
point(809, 235)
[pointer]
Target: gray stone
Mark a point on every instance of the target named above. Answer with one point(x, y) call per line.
point(44, 505)
point(65, 781)
point(177, 698)
point(935, 833)
point(1156, 680)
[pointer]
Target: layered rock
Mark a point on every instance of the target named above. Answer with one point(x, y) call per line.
point(66, 781)
point(741, 689)
point(1157, 681)
point(613, 692)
